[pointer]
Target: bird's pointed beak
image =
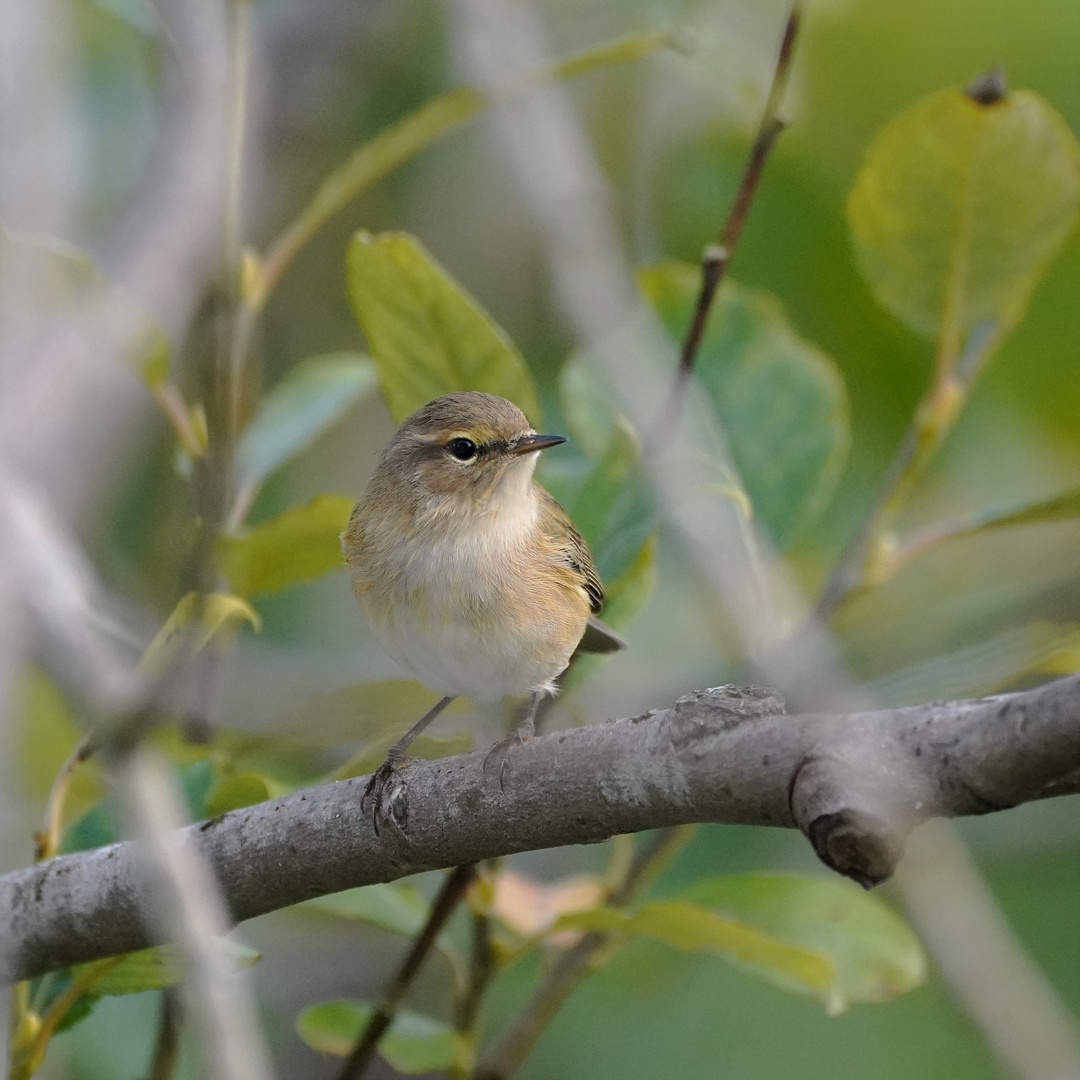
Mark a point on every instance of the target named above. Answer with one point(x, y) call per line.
point(528, 443)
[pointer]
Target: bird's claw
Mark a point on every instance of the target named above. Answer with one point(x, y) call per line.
point(389, 796)
point(502, 752)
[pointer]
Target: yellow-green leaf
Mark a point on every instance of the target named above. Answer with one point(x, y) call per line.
point(414, 1043)
point(298, 545)
point(780, 399)
point(305, 402)
point(238, 790)
point(873, 954)
point(366, 712)
point(427, 335)
point(959, 206)
point(155, 362)
point(985, 667)
point(692, 926)
point(48, 734)
point(216, 612)
point(154, 968)
point(398, 908)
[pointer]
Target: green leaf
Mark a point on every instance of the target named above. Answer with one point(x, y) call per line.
point(366, 712)
point(986, 667)
point(428, 336)
point(304, 403)
point(156, 362)
point(873, 953)
point(216, 613)
point(628, 593)
point(601, 488)
point(157, 967)
point(236, 791)
point(416, 131)
point(298, 545)
point(1063, 507)
point(588, 405)
point(780, 399)
point(398, 908)
point(414, 1043)
point(693, 926)
point(959, 206)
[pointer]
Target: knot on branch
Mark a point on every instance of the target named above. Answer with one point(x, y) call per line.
point(855, 806)
point(729, 706)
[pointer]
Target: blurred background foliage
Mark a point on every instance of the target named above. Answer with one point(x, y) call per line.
point(672, 132)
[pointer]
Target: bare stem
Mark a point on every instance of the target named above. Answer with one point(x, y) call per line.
point(167, 1044)
point(589, 954)
point(450, 895)
point(867, 560)
point(47, 842)
point(718, 254)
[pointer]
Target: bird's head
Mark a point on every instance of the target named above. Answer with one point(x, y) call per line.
point(465, 449)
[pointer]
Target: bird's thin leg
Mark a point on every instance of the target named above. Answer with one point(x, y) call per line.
point(501, 751)
point(386, 788)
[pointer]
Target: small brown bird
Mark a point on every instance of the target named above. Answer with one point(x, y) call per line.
point(469, 573)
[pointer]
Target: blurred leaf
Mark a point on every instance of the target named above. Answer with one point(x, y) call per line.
point(428, 747)
point(48, 734)
point(589, 406)
point(604, 483)
point(413, 133)
point(216, 612)
point(157, 967)
point(959, 206)
point(397, 908)
point(414, 1043)
point(77, 1013)
point(303, 404)
point(362, 713)
point(300, 544)
point(236, 791)
point(692, 926)
point(873, 954)
point(624, 599)
point(986, 667)
point(628, 593)
point(155, 362)
point(1063, 507)
point(66, 270)
point(428, 336)
point(529, 907)
point(780, 399)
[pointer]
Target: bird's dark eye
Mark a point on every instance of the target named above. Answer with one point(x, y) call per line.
point(462, 449)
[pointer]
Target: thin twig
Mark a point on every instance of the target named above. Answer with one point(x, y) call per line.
point(718, 254)
point(167, 1043)
point(450, 895)
point(858, 567)
point(589, 954)
point(482, 970)
point(47, 842)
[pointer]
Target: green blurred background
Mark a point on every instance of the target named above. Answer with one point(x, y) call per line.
point(672, 133)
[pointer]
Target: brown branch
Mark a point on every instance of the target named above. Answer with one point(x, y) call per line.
point(450, 895)
point(855, 784)
point(576, 963)
point(717, 255)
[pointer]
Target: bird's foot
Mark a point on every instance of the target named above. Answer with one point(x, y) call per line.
point(500, 754)
point(389, 795)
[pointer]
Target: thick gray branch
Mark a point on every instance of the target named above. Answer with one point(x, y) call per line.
point(854, 784)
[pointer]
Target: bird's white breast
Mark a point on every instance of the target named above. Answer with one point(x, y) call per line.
point(454, 602)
